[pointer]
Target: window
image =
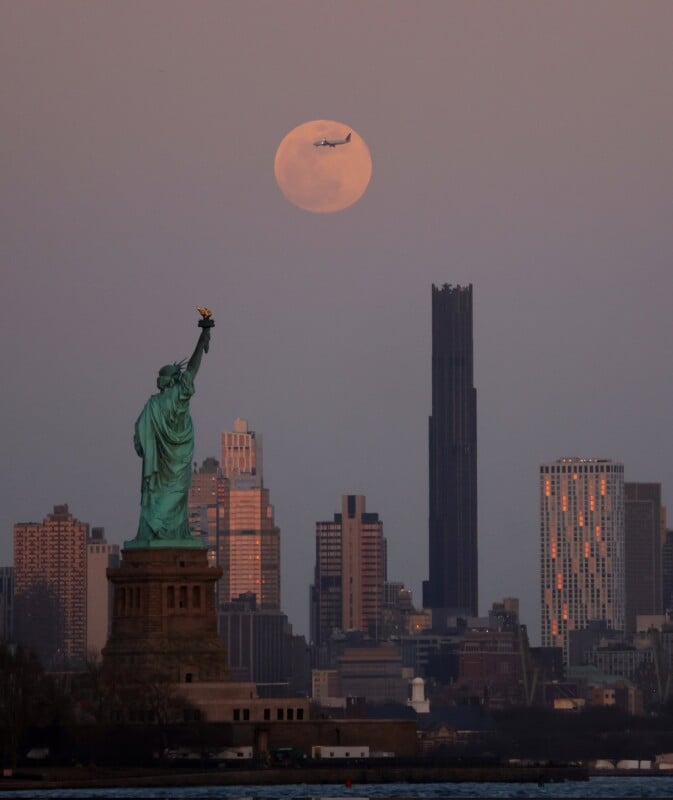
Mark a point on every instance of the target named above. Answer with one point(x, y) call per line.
point(237, 715)
point(170, 597)
point(300, 713)
point(290, 713)
point(183, 597)
point(267, 713)
point(120, 600)
point(279, 713)
point(246, 714)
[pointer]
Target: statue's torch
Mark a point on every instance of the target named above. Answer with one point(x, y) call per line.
point(206, 321)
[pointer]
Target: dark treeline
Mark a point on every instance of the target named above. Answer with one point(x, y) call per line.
point(577, 735)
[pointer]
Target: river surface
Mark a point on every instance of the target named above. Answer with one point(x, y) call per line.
point(595, 787)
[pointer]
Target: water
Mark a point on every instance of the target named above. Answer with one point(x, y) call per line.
point(594, 787)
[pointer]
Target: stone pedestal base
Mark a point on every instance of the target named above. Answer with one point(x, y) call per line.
point(164, 622)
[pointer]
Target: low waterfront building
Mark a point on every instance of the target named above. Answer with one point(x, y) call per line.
point(375, 673)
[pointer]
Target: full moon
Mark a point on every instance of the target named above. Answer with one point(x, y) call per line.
point(322, 179)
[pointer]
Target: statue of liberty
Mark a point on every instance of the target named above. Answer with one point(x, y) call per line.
point(164, 439)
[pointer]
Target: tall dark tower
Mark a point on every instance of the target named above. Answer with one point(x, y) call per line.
point(452, 585)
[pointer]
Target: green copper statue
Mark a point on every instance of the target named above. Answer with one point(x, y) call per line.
point(164, 439)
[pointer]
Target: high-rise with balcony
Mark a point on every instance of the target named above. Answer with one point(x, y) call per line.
point(350, 572)
point(451, 587)
point(248, 538)
point(582, 547)
point(50, 574)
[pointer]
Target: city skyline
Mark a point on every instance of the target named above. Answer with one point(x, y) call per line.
point(523, 149)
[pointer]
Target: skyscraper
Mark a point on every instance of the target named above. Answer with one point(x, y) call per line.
point(644, 531)
point(242, 454)
point(667, 572)
point(258, 644)
point(350, 572)
point(6, 603)
point(50, 586)
point(582, 546)
point(452, 585)
point(249, 540)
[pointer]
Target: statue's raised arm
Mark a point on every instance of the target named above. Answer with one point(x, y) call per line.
point(164, 439)
point(205, 323)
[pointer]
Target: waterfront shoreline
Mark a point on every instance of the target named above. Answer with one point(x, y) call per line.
point(118, 777)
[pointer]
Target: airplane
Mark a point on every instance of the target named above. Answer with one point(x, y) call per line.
point(332, 142)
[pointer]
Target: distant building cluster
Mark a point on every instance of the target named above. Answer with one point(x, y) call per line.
point(605, 580)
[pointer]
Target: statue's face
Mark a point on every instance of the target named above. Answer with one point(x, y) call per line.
point(167, 376)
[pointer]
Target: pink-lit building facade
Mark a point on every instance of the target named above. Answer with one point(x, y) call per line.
point(249, 539)
point(230, 510)
point(582, 546)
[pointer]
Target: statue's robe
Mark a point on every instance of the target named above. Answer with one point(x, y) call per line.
point(164, 438)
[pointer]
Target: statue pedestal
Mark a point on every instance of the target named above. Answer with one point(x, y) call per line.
point(164, 621)
point(164, 544)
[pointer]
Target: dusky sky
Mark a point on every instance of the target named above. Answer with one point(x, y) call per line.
point(522, 147)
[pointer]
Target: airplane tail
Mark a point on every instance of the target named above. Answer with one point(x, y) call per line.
point(348, 138)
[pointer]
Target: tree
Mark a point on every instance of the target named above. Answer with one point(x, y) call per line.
point(21, 694)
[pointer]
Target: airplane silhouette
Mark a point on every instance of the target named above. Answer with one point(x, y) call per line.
point(332, 142)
